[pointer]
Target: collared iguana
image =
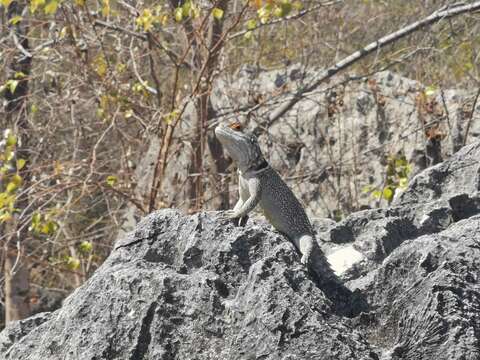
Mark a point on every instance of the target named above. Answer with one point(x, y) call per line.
point(260, 184)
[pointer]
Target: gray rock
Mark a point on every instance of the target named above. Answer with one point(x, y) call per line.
point(15, 331)
point(434, 199)
point(196, 287)
point(427, 296)
point(199, 287)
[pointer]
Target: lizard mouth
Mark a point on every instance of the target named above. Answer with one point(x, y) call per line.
point(236, 126)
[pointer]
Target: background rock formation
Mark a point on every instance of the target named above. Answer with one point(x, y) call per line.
point(197, 287)
point(333, 146)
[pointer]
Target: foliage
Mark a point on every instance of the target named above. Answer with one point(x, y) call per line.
point(397, 173)
point(108, 78)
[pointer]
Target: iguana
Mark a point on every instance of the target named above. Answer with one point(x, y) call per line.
point(260, 184)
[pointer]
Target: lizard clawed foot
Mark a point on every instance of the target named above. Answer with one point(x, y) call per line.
point(230, 214)
point(305, 260)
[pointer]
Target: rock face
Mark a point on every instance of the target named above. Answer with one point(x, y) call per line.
point(199, 287)
point(333, 146)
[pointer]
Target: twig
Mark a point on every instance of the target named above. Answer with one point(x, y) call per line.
point(287, 18)
point(370, 48)
point(121, 29)
point(135, 70)
point(469, 123)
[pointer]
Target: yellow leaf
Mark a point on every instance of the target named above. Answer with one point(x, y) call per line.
point(35, 4)
point(72, 263)
point(297, 5)
point(58, 168)
point(20, 164)
point(100, 66)
point(128, 113)
point(11, 140)
point(145, 20)
point(5, 3)
point(251, 24)
point(388, 194)
point(17, 180)
point(106, 8)
point(15, 20)
point(51, 7)
point(111, 180)
point(12, 85)
point(80, 2)
point(85, 246)
point(11, 187)
point(217, 13)
point(5, 216)
point(178, 14)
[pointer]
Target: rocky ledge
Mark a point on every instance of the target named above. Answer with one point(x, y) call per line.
point(199, 287)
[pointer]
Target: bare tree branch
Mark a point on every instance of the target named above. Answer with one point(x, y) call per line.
point(452, 11)
point(291, 17)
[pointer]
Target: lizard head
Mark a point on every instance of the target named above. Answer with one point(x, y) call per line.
point(241, 146)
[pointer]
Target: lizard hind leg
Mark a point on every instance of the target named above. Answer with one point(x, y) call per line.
point(305, 245)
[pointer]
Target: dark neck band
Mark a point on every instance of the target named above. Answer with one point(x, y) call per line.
point(261, 166)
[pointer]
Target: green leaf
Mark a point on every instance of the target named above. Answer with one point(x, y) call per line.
point(286, 6)
point(430, 90)
point(17, 179)
point(106, 7)
point(36, 218)
point(402, 184)
point(15, 20)
point(20, 164)
point(5, 216)
point(12, 85)
point(278, 11)
point(35, 4)
point(297, 5)
point(5, 3)
point(367, 189)
point(264, 13)
point(73, 263)
point(11, 140)
point(49, 227)
point(388, 194)
point(11, 187)
point(248, 35)
point(100, 66)
point(85, 247)
point(51, 7)
point(217, 13)
point(145, 20)
point(251, 24)
point(112, 180)
point(178, 14)
point(186, 8)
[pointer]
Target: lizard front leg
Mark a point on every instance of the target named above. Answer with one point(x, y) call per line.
point(244, 207)
point(305, 245)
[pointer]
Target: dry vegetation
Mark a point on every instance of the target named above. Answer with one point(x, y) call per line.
point(106, 77)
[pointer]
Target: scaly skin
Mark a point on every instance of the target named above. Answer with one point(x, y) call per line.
point(260, 184)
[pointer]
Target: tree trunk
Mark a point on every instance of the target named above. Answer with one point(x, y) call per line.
point(17, 287)
point(16, 271)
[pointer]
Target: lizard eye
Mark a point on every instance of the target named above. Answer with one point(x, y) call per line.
point(236, 126)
